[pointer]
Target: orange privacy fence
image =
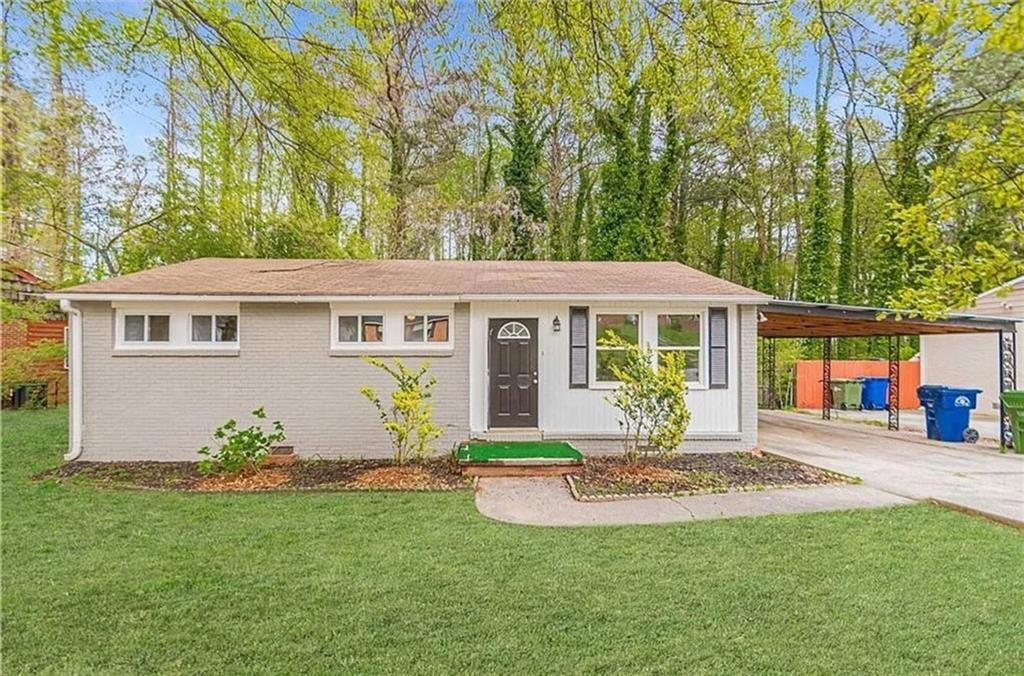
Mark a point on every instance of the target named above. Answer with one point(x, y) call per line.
point(808, 378)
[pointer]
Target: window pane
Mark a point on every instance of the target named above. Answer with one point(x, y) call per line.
point(227, 328)
point(159, 328)
point(414, 328)
point(134, 327)
point(373, 328)
point(348, 329)
point(202, 328)
point(437, 329)
point(625, 326)
point(691, 361)
point(605, 359)
point(679, 330)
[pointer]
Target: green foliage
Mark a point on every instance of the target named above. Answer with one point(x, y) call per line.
point(651, 400)
point(844, 277)
point(240, 449)
point(40, 362)
point(525, 138)
point(817, 249)
point(409, 420)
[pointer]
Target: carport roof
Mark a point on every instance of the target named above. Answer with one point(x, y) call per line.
point(798, 319)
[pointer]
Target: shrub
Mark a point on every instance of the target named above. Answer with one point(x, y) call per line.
point(409, 420)
point(241, 449)
point(651, 400)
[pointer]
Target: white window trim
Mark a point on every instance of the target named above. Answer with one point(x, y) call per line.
point(359, 342)
point(180, 330)
point(426, 316)
point(596, 384)
point(213, 342)
point(145, 329)
point(701, 350)
point(648, 318)
point(394, 330)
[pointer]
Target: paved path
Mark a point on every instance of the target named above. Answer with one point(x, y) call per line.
point(913, 420)
point(974, 477)
point(547, 502)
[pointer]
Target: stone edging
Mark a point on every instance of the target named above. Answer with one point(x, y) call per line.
point(579, 497)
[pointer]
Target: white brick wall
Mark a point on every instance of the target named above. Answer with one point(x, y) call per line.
point(748, 375)
point(166, 407)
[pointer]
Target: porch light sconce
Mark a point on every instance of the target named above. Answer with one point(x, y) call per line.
point(556, 325)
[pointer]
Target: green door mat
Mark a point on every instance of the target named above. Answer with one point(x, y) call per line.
point(519, 451)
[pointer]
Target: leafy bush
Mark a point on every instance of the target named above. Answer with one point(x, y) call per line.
point(241, 449)
point(651, 400)
point(409, 420)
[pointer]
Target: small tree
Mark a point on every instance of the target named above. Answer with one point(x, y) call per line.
point(651, 399)
point(240, 449)
point(409, 420)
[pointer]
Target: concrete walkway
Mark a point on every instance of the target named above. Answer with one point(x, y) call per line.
point(972, 477)
point(547, 502)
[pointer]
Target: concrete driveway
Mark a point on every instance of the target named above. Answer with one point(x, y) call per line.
point(904, 463)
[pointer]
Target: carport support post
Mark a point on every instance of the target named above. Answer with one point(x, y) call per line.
point(826, 378)
point(893, 404)
point(773, 397)
point(1007, 381)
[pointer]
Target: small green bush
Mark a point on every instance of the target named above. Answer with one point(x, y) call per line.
point(241, 449)
point(409, 420)
point(651, 400)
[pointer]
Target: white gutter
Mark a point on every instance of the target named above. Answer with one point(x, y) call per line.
point(571, 298)
point(74, 379)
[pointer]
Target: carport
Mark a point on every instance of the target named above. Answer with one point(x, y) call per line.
point(798, 319)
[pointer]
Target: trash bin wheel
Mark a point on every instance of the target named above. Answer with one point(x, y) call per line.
point(842, 406)
point(971, 435)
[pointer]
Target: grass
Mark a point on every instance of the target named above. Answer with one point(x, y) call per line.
point(490, 451)
point(153, 582)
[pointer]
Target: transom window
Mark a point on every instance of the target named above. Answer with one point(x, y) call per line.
point(426, 328)
point(513, 330)
point(147, 328)
point(680, 334)
point(360, 328)
point(622, 325)
point(214, 329)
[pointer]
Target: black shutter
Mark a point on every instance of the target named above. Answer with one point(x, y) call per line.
point(578, 346)
point(718, 350)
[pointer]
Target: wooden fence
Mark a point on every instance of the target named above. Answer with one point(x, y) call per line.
point(808, 378)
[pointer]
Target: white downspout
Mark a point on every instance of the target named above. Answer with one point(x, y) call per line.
point(74, 379)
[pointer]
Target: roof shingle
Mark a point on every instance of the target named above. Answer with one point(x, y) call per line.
point(290, 277)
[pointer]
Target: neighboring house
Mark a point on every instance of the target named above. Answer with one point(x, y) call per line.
point(29, 377)
point(160, 358)
point(972, 360)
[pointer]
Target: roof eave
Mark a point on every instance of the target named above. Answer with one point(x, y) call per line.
point(746, 299)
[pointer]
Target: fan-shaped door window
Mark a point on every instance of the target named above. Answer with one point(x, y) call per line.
point(513, 331)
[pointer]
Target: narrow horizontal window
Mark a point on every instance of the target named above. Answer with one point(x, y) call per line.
point(134, 328)
point(425, 328)
point(214, 328)
point(360, 328)
point(159, 329)
point(227, 328)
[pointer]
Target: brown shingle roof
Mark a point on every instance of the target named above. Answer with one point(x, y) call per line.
point(287, 277)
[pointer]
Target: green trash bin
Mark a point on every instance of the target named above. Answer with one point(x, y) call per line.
point(846, 393)
point(1013, 402)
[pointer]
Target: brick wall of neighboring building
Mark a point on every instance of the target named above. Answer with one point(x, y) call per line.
point(22, 334)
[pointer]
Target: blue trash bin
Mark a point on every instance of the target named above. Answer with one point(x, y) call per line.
point(875, 396)
point(947, 412)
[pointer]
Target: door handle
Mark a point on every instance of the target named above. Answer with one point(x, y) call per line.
point(534, 381)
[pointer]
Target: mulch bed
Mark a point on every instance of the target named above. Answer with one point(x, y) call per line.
point(691, 473)
point(330, 475)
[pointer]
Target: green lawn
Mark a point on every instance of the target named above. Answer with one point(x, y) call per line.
point(147, 582)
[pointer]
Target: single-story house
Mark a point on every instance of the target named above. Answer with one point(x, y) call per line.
point(160, 358)
point(972, 360)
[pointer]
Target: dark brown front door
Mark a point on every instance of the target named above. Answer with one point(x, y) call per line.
point(513, 366)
